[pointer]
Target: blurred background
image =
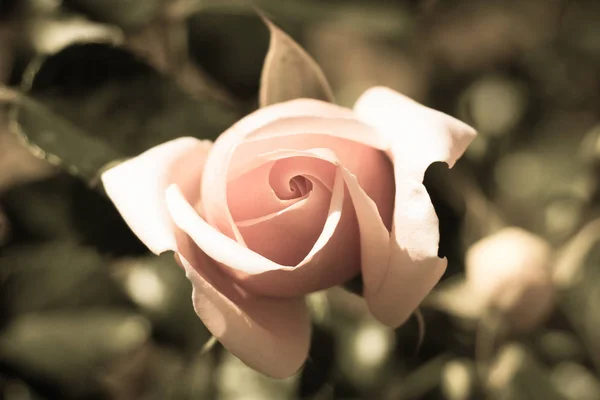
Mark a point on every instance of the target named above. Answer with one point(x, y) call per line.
point(87, 313)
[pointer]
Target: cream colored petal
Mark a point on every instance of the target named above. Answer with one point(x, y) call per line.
point(137, 187)
point(265, 276)
point(287, 236)
point(414, 267)
point(269, 335)
point(419, 136)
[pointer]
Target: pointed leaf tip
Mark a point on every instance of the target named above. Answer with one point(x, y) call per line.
point(289, 72)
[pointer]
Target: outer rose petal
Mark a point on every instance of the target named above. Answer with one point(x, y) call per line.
point(269, 335)
point(419, 136)
point(414, 267)
point(137, 187)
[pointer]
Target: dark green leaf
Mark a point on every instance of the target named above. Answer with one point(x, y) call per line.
point(91, 104)
point(59, 141)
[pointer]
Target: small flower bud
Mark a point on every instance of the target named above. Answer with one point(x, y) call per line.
point(510, 271)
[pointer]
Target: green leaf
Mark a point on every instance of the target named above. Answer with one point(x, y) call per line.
point(60, 142)
point(91, 104)
point(289, 72)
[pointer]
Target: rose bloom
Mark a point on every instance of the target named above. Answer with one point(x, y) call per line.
point(296, 197)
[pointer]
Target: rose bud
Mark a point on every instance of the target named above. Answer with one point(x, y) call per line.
point(296, 197)
point(510, 272)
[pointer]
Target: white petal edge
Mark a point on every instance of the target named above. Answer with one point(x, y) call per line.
point(137, 187)
point(414, 267)
point(271, 336)
point(418, 136)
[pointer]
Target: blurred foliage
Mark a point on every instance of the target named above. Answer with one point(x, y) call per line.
point(97, 88)
point(87, 313)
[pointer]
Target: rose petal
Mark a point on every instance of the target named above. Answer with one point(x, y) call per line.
point(214, 243)
point(224, 249)
point(269, 335)
point(333, 259)
point(264, 276)
point(371, 166)
point(374, 236)
point(333, 126)
point(255, 271)
point(252, 195)
point(279, 330)
point(286, 237)
point(214, 190)
point(253, 202)
point(419, 136)
point(394, 291)
point(137, 187)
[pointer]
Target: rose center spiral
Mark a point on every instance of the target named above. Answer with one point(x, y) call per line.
point(298, 186)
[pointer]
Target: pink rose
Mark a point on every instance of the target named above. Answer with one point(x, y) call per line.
point(296, 197)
